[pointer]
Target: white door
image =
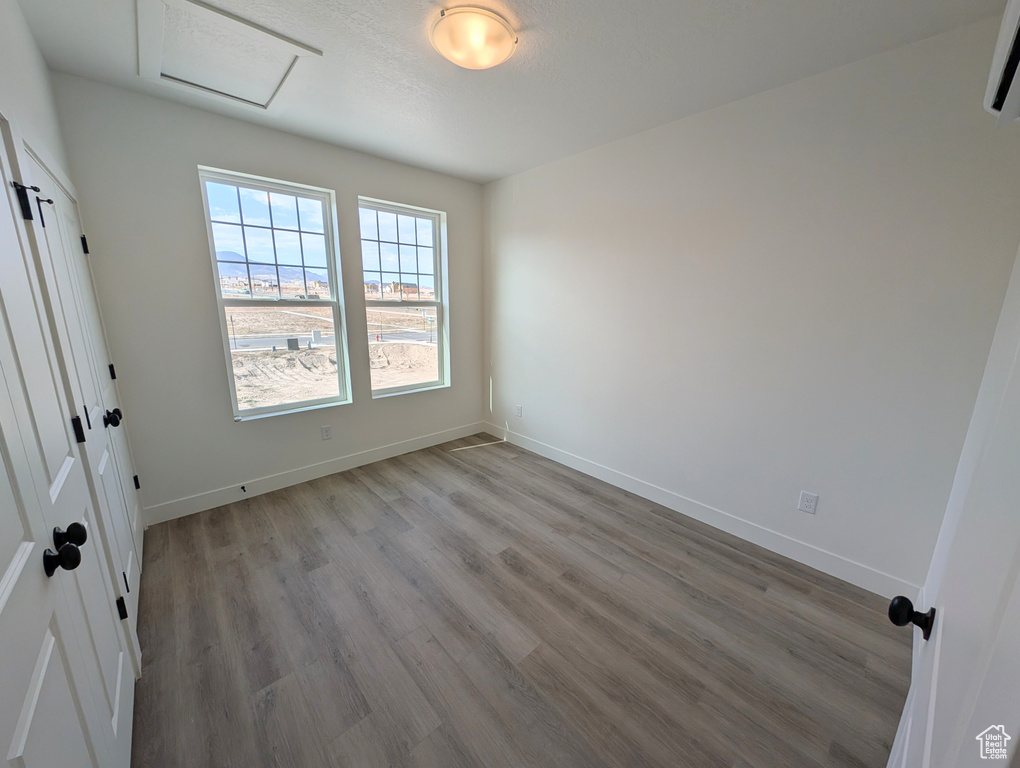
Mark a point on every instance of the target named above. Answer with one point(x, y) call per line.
point(44, 690)
point(80, 340)
point(66, 682)
point(85, 293)
point(965, 687)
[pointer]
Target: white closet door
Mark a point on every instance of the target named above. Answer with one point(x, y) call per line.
point(66, 682)
point(47, 716)
point(72, 308)
point(81, 270)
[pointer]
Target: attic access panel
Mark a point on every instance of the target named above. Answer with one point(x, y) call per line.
point(188, 44)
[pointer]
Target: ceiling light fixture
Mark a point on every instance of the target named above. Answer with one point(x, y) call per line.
point(473, 38)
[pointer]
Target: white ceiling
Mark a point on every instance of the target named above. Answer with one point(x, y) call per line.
point(216, 56)
point(586, 71)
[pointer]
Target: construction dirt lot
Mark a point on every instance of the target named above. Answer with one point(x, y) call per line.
point(258, 321)
point(398, 346)
point(263, 377)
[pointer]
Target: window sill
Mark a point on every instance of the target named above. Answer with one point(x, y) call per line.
point(379, 394)
point(298, 409)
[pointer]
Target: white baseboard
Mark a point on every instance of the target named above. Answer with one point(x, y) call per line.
point(841, 567)
point(188, 505)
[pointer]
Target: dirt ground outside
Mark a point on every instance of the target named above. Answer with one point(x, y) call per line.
point(396, 364)
point(265, 321)
point(262, 321)
point(399, 319)
point(263, 377)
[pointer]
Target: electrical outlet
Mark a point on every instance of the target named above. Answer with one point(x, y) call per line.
point(327, 432)
point(808, 502)
point(519, 411)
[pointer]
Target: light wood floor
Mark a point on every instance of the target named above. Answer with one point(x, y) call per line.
point(488, 607)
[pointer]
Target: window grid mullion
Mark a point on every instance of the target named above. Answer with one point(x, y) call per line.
point(244, 243)
point(400, 256)
point(409, 303)
point(301, 247)
point(278, 305)
point(272, 233)
point(417, 274)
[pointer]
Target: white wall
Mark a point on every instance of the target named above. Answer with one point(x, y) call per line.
point(133, 159)
point(25, 96)
point(794, 291)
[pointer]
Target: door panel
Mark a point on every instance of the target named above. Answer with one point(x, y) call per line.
point(100, 624)
point(63, 650)
point(111, 496)
point(45, 711)
point(66, 304)
point(81, 275)
point(37, 691)
point(53, 432)
point(13, 538)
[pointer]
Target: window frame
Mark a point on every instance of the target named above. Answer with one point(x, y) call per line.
point(333, 269)
point(441, 288)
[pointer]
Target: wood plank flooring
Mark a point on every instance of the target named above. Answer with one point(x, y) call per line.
point(488, 607)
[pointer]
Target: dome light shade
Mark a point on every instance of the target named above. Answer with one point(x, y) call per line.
point(473, 38)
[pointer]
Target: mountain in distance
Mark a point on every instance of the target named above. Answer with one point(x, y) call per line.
point(231, 264)
point(232, 269)
point(313, 275)
point(229, 256)
point(268, 272)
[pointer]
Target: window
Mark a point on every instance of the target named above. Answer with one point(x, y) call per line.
point(405, 298)
point(280, 295)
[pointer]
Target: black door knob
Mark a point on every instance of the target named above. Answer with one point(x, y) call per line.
point(68, 557)
point(901, 613)
point(76, 533)
point(112, 418)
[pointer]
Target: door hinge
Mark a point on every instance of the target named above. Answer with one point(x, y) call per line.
point(79, 433)
point(126, 585)
point(138, 485)
point(84, 244)
point(23, 201)
point(121, 608)
point(113, 371)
